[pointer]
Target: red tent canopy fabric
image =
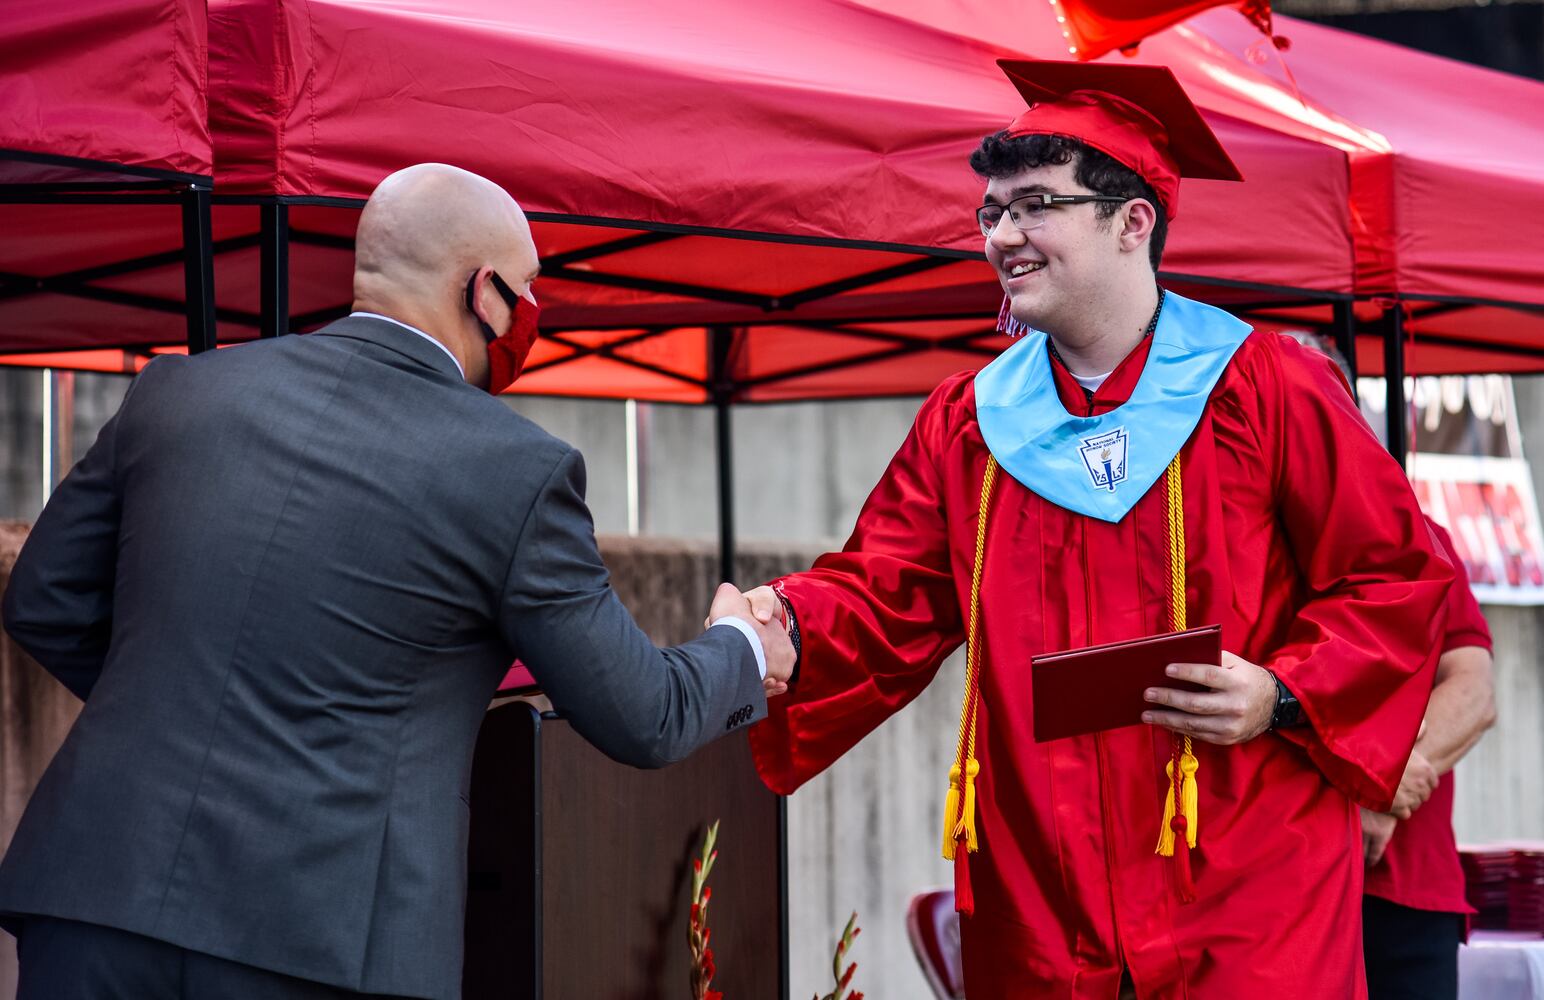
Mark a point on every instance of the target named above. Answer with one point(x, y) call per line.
point(1465, 159)
point(118, 82)
point(1443, 158)
point(815, 119)
point(1455, 159)
point(105, 167)
point(796, 174)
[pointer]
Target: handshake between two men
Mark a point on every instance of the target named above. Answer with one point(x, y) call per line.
point(764, 613)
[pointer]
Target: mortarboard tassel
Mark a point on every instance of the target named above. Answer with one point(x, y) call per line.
point(1007, 324)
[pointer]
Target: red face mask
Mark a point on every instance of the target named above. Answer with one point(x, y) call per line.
point(506, 354)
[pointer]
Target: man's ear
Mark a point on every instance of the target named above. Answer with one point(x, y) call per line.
point(1139, 217)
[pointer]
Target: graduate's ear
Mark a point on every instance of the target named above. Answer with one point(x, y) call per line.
point(1137, 217)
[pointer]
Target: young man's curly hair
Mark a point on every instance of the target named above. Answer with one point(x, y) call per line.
point(1002, 156)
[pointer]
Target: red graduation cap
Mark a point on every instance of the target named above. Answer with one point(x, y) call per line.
point(1139, 115)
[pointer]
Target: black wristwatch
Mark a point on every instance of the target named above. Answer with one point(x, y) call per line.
point(1289, 711)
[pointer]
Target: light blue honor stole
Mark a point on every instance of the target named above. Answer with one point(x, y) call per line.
point(1101, 466)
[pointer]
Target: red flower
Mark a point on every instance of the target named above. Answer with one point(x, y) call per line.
point(717, 995)
point(707, 893)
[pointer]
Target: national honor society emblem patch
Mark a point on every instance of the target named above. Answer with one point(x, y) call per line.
point(1105, 457)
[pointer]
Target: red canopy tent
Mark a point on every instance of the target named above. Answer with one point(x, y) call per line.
point(105, 166)
point(1443, 159)
point(688, 169)
point(1443, 207)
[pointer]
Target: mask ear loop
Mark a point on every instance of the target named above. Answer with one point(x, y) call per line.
point(471, 307)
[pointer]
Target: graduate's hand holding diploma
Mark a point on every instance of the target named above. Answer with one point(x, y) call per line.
point(1236, 709)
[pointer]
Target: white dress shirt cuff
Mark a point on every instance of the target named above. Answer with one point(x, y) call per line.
point(750, 637)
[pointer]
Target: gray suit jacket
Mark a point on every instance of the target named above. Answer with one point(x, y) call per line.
point(287, 579)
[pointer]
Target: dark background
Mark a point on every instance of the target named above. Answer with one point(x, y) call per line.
point(1507, 36)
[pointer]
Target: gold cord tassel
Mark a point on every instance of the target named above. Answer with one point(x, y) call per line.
point(1188, 766)
point(966, 828)
point(1182, 787)
point(951, 810)
point(1188, 794)
point(960, 805)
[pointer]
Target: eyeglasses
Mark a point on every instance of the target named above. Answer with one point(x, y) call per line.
point(1028, 212)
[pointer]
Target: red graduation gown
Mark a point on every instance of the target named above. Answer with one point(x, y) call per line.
point(1303, 541)
point(1420, 868)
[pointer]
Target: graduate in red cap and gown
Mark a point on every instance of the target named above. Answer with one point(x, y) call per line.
point(1135, 463)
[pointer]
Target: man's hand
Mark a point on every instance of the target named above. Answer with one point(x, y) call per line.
point(1377, 831)
point(765, 604)
point(1415, 787)
point(1238, 707)
point(728, 602)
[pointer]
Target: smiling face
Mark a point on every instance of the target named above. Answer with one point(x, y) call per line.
point(1065, 267)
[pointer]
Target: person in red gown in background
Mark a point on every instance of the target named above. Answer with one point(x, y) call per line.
point(1136, 461)
point(1414, 913)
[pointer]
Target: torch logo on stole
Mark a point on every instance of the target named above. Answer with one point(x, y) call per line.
point(1105, 457)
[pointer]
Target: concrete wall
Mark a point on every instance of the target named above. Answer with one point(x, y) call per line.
point(862, 836)
point(1499, 793)
point(91, 398)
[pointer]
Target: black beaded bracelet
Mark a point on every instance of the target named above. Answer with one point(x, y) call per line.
point(793, 636)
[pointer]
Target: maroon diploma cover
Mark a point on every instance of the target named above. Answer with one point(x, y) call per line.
point(1100, 687)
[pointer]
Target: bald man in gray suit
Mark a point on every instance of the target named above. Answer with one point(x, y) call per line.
point(287, 580)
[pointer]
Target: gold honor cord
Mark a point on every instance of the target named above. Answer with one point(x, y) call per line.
point(1180, 806)
point(1182, 787)
point(960, 806)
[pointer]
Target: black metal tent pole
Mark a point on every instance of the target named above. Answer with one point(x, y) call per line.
point(198, 267)
point(1394, 379)
point(721, 390)
point(273, 268)
point(722, 386)
point(1343, 324)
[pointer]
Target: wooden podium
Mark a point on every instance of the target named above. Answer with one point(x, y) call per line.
point(579, 869)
